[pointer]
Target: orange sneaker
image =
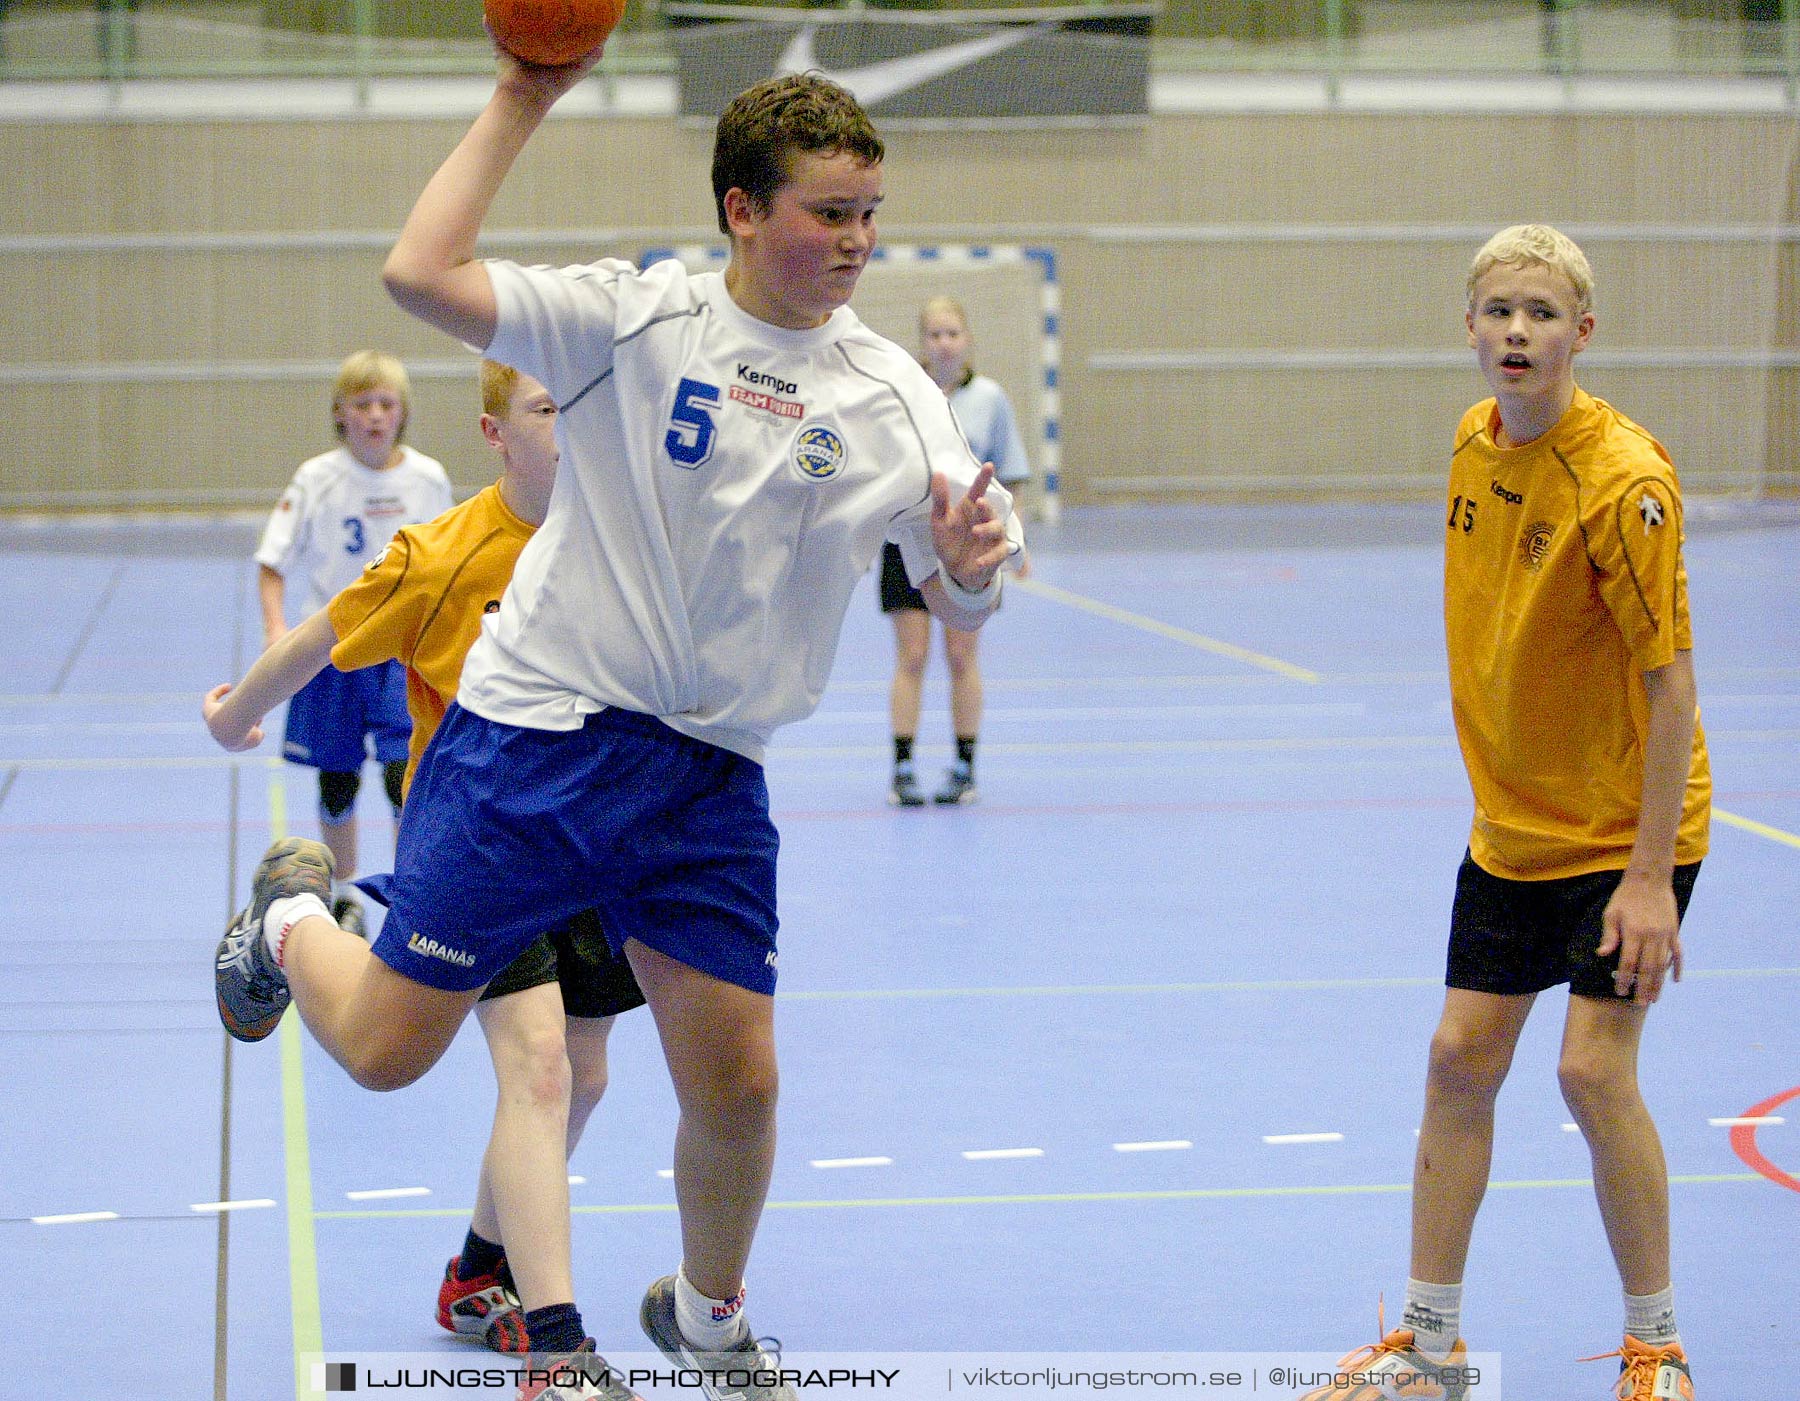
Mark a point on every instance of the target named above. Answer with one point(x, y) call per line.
point(1394, 1370)
point(1650, 1373)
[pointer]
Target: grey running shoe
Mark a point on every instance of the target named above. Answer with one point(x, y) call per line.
point(582, 1375)
point(746, 1372)
point(959, 787)
point(252, 990)
point(904, 790)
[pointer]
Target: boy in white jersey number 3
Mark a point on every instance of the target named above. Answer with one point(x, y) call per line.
point(735, 449)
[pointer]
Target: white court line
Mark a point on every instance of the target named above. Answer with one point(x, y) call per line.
point(575, 1181)
point(246, 1204)
point(1165, 1145)
point(1571, 1128)
point(665, 1172)
point(980, 1154)
point(75, 1218)
point(1116, 683)
point(1284, 1138)
point(852, 1162)
point(378, 1194)
point(1754, 1121)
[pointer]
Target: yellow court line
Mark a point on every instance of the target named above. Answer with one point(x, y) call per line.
point(1182, 635)
point(303, 1251)
point(1761, 829)
point(1068, 1198)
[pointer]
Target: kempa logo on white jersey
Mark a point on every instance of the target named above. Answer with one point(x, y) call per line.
point(876, 82)
point(763, 381)
point(431, 948)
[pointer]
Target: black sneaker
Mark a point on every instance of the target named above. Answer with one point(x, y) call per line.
point(745, 1371)
point(904, 790)
point(347, 910)
point(252, 990)
point(958, 787)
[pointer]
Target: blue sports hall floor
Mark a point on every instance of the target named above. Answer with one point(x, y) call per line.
point(1125, 1059)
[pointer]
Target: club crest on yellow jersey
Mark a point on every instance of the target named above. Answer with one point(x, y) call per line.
point(819, 452)
point(1534, 545)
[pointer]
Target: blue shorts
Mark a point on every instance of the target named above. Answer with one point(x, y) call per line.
point(330, 716)
point(508, 832)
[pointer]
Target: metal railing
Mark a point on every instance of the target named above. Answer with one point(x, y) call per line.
point(121, 40)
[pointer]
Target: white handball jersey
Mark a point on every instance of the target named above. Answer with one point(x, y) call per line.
point(986, 415)
point(336, 515)
point(724, 484)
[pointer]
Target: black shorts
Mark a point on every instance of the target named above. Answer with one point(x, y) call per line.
point(1522, 936)
point(596, 982)
point(897, 593)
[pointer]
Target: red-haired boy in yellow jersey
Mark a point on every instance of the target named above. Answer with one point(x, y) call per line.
point(1572, 685)
point(547, 1015)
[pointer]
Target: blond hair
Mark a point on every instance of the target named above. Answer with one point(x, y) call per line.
point(497, 384)
point(1544, 246)
point(364, 370)
point(942, 305)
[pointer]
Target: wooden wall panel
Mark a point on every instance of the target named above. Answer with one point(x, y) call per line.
point(83, 317)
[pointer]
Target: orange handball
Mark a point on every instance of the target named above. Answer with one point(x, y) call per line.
point(551, 32)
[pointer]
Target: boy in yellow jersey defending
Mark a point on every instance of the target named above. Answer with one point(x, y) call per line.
point(547, 1016)
point(1572, 685)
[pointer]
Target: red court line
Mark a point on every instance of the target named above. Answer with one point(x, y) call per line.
point(1743, 1141)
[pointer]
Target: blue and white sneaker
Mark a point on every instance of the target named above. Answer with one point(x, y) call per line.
point(958, 788)
point(252, 990)
point(744, 1372)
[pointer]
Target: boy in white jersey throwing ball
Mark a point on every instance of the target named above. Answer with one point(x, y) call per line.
point(1572, 686)
point(735, 449)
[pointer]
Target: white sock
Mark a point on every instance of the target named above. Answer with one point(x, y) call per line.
point(710, 1325)
point(282, 915)
point(1650, 1318)
point(1434, 1313)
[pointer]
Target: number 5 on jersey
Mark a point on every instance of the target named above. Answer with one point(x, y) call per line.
point(691, 426)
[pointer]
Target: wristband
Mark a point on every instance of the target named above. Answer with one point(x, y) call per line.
point(976, 602)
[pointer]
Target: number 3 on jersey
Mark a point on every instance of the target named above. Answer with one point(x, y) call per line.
point(691, 426)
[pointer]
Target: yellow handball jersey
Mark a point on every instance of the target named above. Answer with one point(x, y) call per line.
point(1563, 584)
point(422, 599)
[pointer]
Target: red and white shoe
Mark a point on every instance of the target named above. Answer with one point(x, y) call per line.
point(482, 1307)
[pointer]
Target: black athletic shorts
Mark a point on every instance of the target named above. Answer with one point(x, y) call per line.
point(1522, 936)
point(897, 593)
point(596, 982)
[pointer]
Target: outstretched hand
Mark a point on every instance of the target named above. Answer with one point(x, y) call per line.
point(971, 542)
point(231, 735)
